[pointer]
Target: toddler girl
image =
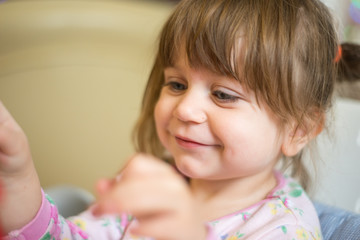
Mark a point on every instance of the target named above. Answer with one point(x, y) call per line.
point(236, 87)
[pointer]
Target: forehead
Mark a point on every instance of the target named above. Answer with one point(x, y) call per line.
point(181, 63)
point(217, 63)
point(181, 66)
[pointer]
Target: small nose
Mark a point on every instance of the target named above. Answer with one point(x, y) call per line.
point(191, 108)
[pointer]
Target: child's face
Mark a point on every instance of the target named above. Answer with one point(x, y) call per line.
point(213, 128)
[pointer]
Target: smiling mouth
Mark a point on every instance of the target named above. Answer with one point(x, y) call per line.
point(187, 143)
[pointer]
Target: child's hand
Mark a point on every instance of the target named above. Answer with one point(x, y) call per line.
point(157, 196)
point(18, 176)
point(14, 149)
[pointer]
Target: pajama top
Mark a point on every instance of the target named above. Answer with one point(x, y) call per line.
point(285, 214)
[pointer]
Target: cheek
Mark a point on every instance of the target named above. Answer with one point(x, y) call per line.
point(157, 114)
point(161, 119)
point(158, 117)
point(251, 141)
point(238, 141)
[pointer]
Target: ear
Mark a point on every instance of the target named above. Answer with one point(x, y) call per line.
point(296, 137)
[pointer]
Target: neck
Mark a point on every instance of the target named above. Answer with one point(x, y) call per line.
point(226, 196)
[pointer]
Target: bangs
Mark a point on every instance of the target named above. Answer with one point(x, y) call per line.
point(274, 48)
point(283, 51)
point(202, 38)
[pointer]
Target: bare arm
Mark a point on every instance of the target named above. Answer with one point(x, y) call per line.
point(21, 187)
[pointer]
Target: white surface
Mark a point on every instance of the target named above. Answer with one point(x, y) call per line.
point(338, 174)
point(349, 31)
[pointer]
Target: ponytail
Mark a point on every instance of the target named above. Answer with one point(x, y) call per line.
point(349, 62)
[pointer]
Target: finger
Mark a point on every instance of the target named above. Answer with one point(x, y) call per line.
point(104, 185)
point(170, 225)
point(11, 141)
point(4, 113)
point(145, 165)
point(7, 119)
point(145, 183)
point(157, 229)
point(142, 198)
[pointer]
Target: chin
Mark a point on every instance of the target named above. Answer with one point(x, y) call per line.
point(187, 172)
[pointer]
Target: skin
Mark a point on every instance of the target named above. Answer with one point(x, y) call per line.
point(213, 127)
point(160, 200)
point(17, 175)
point(219, 136)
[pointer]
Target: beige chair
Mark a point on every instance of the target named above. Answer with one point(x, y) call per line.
point(72, 73)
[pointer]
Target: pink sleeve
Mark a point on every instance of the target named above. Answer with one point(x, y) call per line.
point(37, 227)
point(210, 233)
point(47, 223)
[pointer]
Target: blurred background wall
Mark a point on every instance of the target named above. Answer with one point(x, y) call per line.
point(72, 73)
point(347, 15)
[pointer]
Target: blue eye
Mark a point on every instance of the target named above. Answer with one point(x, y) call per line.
point(176, 86)
point(224, 97)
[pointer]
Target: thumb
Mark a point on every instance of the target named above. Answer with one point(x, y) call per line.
point(145, 165)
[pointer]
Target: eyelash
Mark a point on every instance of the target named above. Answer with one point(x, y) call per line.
point(220, 96)
point(224, 97)
point(175, 86)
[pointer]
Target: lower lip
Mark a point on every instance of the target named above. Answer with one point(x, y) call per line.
point(188, 144)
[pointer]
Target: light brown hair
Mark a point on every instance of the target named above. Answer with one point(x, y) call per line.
point(286, 57)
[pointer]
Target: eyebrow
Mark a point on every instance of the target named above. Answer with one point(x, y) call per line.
point(172, 69)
